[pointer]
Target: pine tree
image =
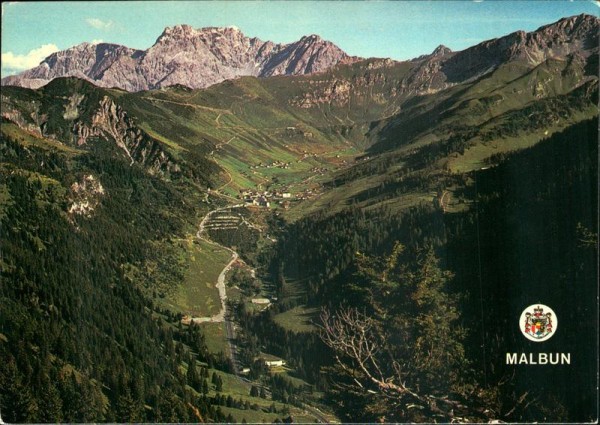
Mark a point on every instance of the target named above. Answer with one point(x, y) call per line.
point(193, 380)
point(128, 410)
point(400, 301)
point(50, 403)
point(70, 397)
point(11, 397)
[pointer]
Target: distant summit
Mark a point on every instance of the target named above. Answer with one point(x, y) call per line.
point(573, 39)
point(195, 58)
point(441, 50)
point(198, 58)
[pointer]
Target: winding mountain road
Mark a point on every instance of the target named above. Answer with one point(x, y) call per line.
point(223, 316)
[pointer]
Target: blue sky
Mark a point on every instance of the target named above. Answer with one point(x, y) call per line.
point(399, 29)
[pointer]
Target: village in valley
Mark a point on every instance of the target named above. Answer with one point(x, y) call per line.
point(268, 199)
point(283, 196)
point(265, 198)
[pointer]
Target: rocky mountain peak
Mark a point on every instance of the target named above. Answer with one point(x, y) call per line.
point(572, 24)
point(80, 49)
point(187, 32)
point(441, 50)
point(313, 38)
point(577, 35)
point(183, 55)
point(177, 31)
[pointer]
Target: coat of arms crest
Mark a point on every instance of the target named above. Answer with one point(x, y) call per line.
point(538, 322)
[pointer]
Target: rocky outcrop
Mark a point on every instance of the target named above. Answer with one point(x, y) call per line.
point(336, 91)
point(84, 196)
point(86, 119)
point(195, 58)
point(427, 76)
point(24, 114)
point(111, 122)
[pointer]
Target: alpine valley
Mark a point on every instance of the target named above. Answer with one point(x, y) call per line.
point(222, 229)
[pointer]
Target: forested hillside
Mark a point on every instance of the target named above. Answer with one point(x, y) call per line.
point(532, 237)
point(530, 234)
point(79, 340)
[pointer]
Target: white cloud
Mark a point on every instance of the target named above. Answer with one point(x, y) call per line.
point(99, 23)
point(28, 60)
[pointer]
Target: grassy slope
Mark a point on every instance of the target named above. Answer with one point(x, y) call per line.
point(238, 124)
point(298, 319)
point(510, 109)
point(197, 294)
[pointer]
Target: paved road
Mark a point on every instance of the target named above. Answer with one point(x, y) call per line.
point(230, 334)
point(220, 316)
point(223, 315)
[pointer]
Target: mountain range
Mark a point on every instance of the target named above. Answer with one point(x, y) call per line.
point(196, 58)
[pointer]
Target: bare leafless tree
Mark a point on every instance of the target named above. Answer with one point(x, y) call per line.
point(358, 346)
